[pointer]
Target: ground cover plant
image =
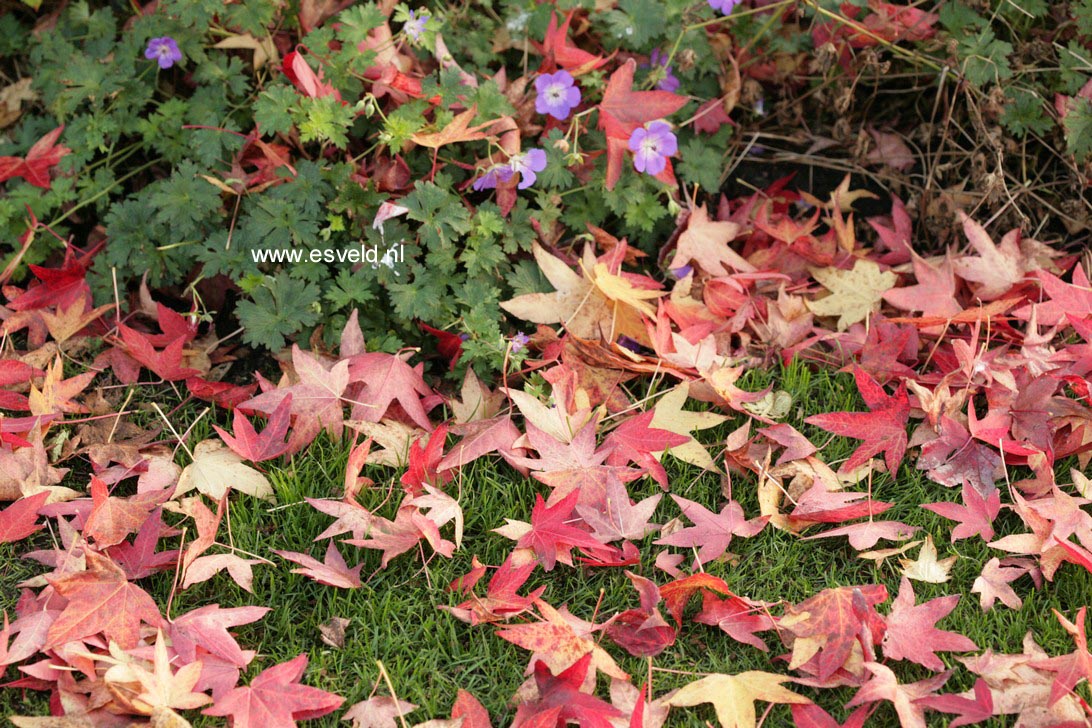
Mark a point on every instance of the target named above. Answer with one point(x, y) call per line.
point(540, 364)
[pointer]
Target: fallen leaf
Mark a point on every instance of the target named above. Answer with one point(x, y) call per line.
point(926, 567)
point(733, 696)
point(215, 470)
point(854, 294)
point(276, 699)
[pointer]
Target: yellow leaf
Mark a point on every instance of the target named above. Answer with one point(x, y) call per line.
point(215, 470)
point(733, 696)
point(854, 294)
point(927, 567)
point(668, 414)
point(618, 289)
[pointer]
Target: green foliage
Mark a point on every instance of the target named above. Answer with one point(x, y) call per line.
point(1078, 128)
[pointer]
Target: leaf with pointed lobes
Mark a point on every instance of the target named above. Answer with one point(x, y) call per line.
point(883, 428)
point(828, 625)
point(20, 519)
point(622, 110)
point(820, 505)
point(812, 716)
point(561, 699)
point(1071, 669)
point(276, 699)
point(424, 463)
point(975, 516)
point(206, 628)
point(101, 600)
point(557, 51)
point(912, 634)
point(907, 699)
point(636, 441)
point(733, 696)
point(968, 711)
point(560, 639)
point(642, 632)
point(249, 445)
point(39, 160)
point(739, 618)
point(678, 593)
point(332, 571)
point(619, 518)
point(551, 536)
point(112, 518)
point(502, 600)
point(865, 535)
point(223, 394)
point(165, 363)
point(387, 381)
point(712, 533)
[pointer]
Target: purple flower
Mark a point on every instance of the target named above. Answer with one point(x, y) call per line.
point(651, 146)
point(165, 50)
point(556, 94)
point(415, 26)
point(519, 341)
point(526, 165)
point(682, 271)
point(723, 6)
point(669, 82)
point(496, 174)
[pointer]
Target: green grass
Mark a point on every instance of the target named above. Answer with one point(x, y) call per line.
point(429, 654)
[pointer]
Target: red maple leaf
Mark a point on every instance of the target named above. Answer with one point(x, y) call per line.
point(139, 558)
point(619, 518)
point(622, 110)
point(387, 380)
point(248, 444)
point(975, 515)
point(40, 159)
point(819, 505)
point(678, 593)
point(550, 533)
point(424, 463)
point(911, 632)
point(101, 600)
point(167, 364)
point(112, 519)
point(883, 429)
point(276, 699)
point(20, 519)
point(502, 600)
point(58, 287)
point(449, 345)
point(206, 628)
point(556, 50)
point(1072, 668)
point(836, 617)
point(810, 715)
point(955, 457)
point(635, 441)
point(969, 711)
point(224, 394)
point(332, 571)
point(642, 632)
point(739, 618)
point(560, 699)
point(317, 398)
point(712, 532)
